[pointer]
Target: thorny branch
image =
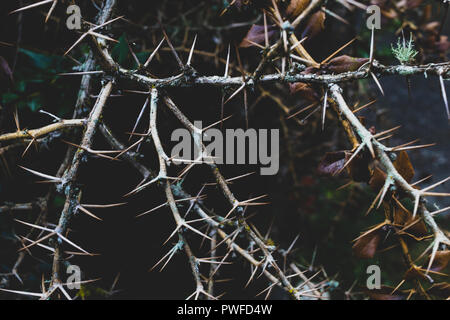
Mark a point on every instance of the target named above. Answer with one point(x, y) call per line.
point(67, 174)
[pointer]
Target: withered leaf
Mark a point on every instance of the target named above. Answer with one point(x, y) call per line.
point(332, 163)
point(366, 246)
point(441, 260)
point(358, 168)
point(378, 178)
point(304, 90)
point(385, 293)
point(443, 45)
point(296, 7)
point(316, 23)
point(415, 272)
point(404, 166)
point(344, 63)
point(403, 217)
point(256, 34)
point(441, 289)
point(5, 69)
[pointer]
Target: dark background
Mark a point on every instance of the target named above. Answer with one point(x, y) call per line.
point(301, 202)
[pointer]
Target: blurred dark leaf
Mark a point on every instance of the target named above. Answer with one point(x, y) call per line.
point(404, 166)
point(256, 34)
point(344, 63)
point(441, 289)
point(385, 293)
point(441, 260)
point(315, 25)
point(332, 163)
point(5, 69)
point(366, 246)
point(296, 7)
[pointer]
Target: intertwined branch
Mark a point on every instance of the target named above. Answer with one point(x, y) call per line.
point(259, 253)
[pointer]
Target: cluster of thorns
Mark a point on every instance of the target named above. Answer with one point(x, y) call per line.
point(259, 253)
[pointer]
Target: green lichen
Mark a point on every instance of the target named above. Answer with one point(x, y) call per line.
point(404, 50)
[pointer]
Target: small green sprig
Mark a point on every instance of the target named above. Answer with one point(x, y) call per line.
point(404, 51)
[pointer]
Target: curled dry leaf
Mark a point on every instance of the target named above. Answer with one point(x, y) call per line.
point(296, 7)
point(332, 163)
point(404, 166)
point(304, 90)
point(256, 34)
point(5, 69)
point(316, 23)
point(344, 63)
point(403, 217)
point(377, 180)
point(415, 272)
point(441, 260)
point(366, 246)
point(442, 46)
point(441, 289)
point(385, 293)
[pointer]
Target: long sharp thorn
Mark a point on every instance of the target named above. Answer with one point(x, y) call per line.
point(444, 95)
point(386, 131)
point(23, 293)
point(46, 176)
point(416, 204)
point(51, 10)
point(364, 106)
point(172, 234)
point(251, 277)
point(103, 205)
point(198, 232)
point(160, 260)
point(435, 184)
point(61, 288)
point(297, 43)
point(355, 153)
point(174, 52)
point(377, 82)
point(151, 210)
point(433, 255)
point(414, 147)
point(336, 16)
point(16, 119)
point(372, 46)
point(168, 260)
point(150, 58)
point(324, 110)
point(246, 108)
point(337, 51)
point(31, 6)
point(191, 52)
point(84, 210)
point(227, 65)
point(439, 211)
point(72, 244)
point(37, 242)
point(387, 183)
point(236, 92)
point(266, 33)
point(139, 117)
point(99, 35)
point(88, 32)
